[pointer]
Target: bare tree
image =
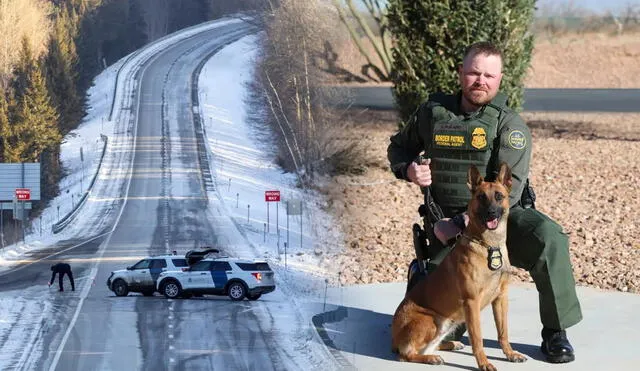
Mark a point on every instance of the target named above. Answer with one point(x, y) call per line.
point(20, 18)
point(295, 33)
point(380, 42)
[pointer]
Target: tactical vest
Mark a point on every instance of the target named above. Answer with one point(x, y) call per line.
point(457, 142)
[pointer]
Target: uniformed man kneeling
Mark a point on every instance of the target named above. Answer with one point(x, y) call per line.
point(476, 127)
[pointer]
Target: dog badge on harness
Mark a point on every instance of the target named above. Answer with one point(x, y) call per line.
point(495, 258)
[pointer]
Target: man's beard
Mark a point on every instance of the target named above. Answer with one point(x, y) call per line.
point(478, 97)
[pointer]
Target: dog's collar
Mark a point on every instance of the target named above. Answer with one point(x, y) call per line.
point(481, 242)
point(494, 255)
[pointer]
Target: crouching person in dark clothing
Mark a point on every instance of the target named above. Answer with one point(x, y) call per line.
point(62, 269)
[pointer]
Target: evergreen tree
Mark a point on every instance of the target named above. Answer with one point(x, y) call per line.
point(23, 70)
point(4, 125)
point(135, 31)
point(34, 120)
point(61, 76)
point(431, 36)
point(37, 120)
point(185, 13)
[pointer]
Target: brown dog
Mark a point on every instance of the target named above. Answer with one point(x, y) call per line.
point(474, 274)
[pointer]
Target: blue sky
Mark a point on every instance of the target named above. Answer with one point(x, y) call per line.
point(593, 5)
point(599, 6)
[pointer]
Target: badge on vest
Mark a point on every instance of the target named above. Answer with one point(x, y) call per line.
point(479, 138)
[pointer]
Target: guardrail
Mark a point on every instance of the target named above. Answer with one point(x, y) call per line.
point(57, 227)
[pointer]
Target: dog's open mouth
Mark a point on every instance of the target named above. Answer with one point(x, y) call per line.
point(492, 223)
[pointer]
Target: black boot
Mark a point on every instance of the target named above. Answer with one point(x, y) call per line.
point(556, 346)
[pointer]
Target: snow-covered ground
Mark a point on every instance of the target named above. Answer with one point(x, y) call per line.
point(242, 162)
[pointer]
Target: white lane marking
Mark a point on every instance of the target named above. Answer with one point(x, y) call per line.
point(11, 271)
point(94, 270)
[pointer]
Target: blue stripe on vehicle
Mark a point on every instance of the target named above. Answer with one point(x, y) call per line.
point(155, 273)
point(219, 278)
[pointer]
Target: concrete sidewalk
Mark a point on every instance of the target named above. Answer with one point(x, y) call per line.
point(355, 325)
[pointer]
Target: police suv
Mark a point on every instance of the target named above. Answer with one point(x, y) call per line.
point(237, 278)
point(142, 276)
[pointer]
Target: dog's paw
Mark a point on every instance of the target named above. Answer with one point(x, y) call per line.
point(433, 359)
point(487, 367)
point(516, 357)
point(451, 345)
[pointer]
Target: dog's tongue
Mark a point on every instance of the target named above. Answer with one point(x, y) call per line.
point(492, 224)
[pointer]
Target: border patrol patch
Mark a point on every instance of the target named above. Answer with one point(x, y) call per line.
point(478, 138)
point(449, 140)
point(517, 139)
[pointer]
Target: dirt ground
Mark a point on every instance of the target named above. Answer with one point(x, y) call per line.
point(585, 172)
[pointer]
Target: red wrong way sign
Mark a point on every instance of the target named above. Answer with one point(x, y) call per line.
point(272, 196)
point(23, 194)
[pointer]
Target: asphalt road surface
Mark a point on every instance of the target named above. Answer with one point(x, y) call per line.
point(560, 100)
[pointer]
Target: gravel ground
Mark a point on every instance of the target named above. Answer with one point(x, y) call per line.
point(585, 173)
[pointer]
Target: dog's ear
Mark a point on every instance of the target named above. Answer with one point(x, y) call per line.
point(504, 176)
point(474, 178)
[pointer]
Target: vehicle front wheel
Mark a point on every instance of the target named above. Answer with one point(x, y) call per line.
point(237, 291)
point(120, 287)
point(171, 289)
point(254, 297)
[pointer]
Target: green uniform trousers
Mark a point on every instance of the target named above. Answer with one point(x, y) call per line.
point(537, 244)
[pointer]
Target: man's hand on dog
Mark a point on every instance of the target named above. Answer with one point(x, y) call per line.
point(420, 174)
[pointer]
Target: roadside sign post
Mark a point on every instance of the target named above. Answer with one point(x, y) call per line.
point(294, 207)
point(23, 194)
point(272, 196)
point(19, 185)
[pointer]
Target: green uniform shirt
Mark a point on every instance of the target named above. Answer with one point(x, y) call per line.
point(511, 145)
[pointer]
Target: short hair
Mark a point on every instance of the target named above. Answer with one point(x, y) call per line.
point(482, 47)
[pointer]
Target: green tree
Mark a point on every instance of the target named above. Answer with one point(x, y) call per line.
point(61, 62)
point(135, 31)
point(34, 120)
point(431, 36)
point(185, 13)
point(4, 125)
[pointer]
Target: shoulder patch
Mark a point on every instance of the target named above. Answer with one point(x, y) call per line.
point(517, 139)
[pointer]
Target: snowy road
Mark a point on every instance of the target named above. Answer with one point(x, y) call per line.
point(151, 198)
